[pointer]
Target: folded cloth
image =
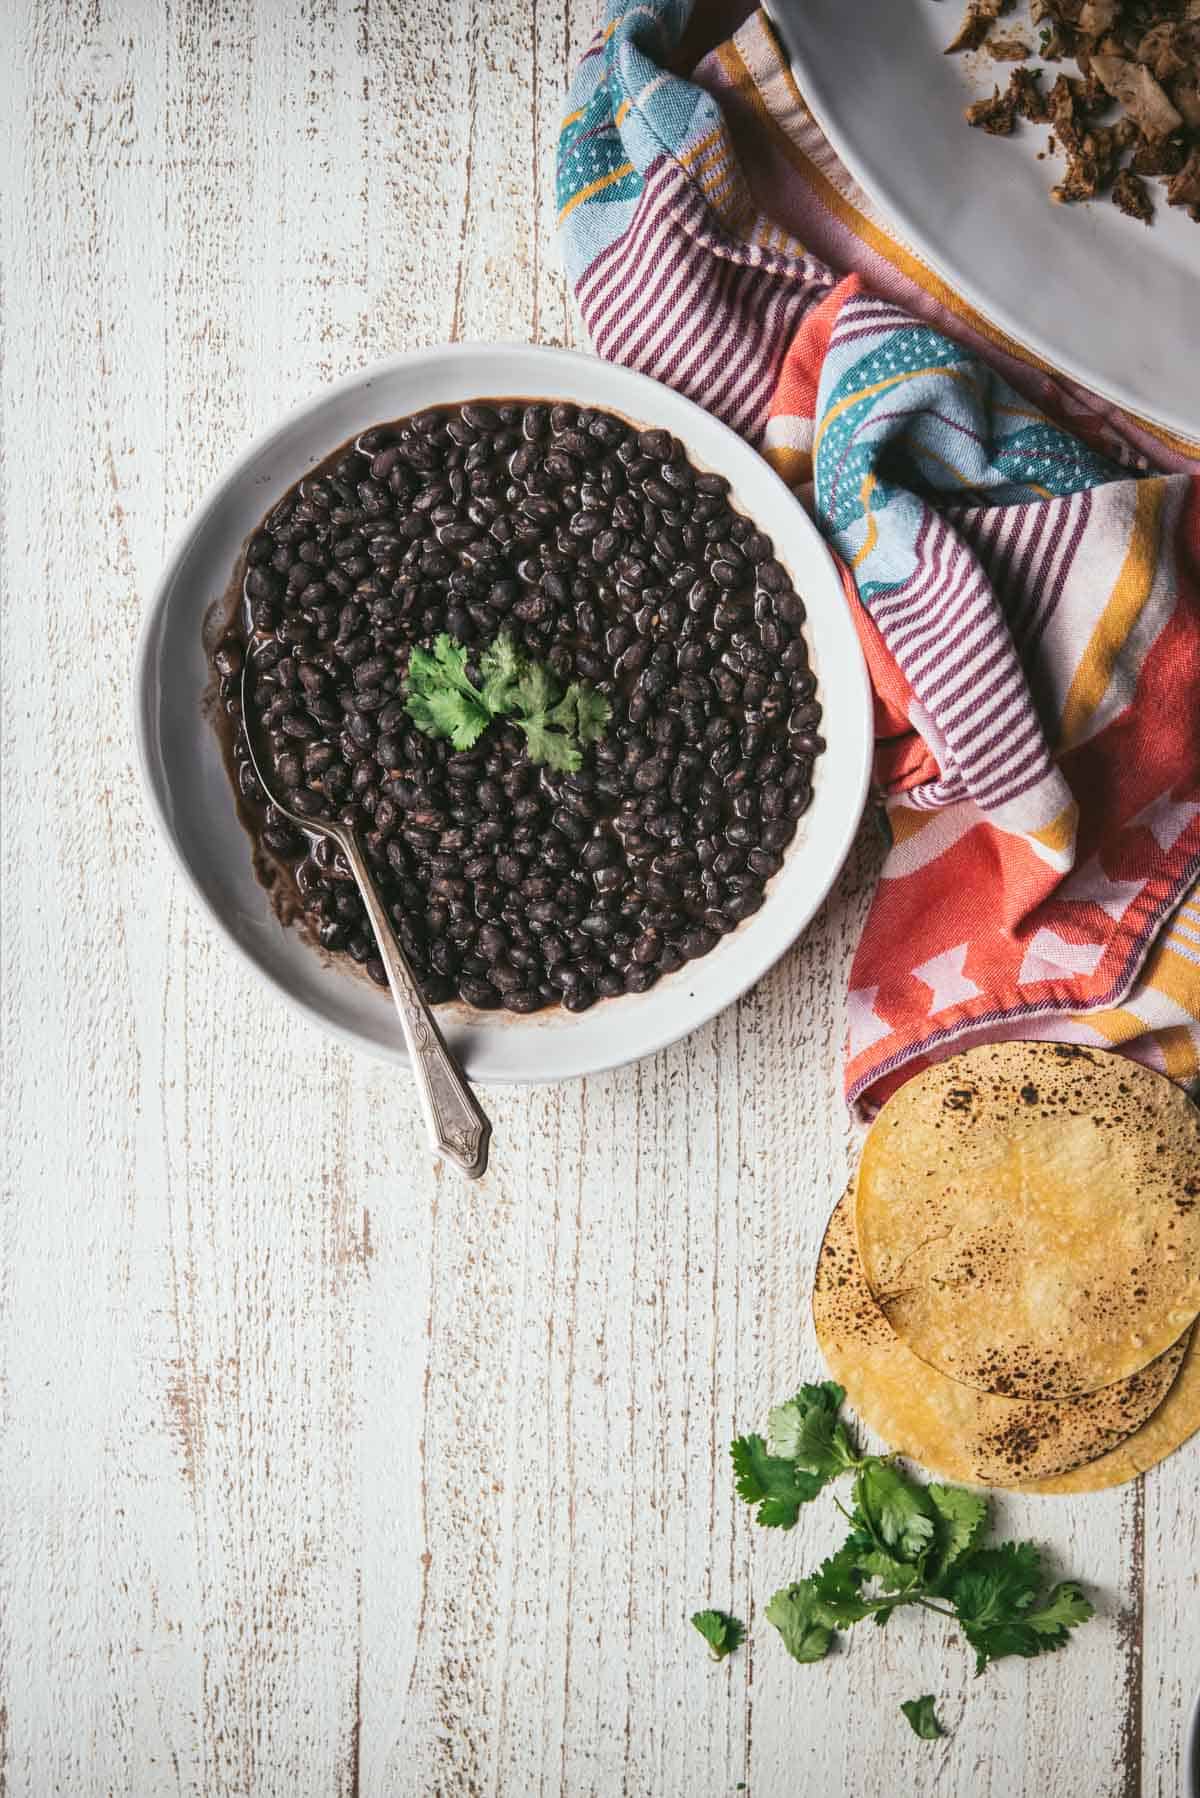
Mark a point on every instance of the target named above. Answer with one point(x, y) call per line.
point(1022, 561)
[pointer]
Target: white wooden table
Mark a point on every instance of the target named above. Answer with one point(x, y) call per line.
point(322, 1472)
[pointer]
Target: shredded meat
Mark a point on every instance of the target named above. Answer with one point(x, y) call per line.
point(1162, 50)
point(1026, 87)
point(1185, 92)
point(1096, 16)
point(1007, 49)
point(1183, 189)
point(1158, 159)
point(1092, 163)
point(995, 115)
point(1135, 88)
point(1129, 193)
point(1139, 56)
point(978, 20)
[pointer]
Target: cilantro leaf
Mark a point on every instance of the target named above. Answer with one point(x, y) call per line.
point(722, 1632)
point(417, 706)
point(1065, 1607)
point(1028, 1632)
point(771, 1482)
point(592, 712)
point(958, 1524)
point(807, 1430)
point(455, 716)
point(423, 670)
point(919, 1712)
point(536, 690)
point(836, 1586)
point(796, 1613)
point(991, 1591)
point(451, 658)
point(994, 1584)
point(873, 1563)
point(499, 670)
point(440, 698)
point(894, 1509)
point(581, 710)
point(552, 748)
point(443, 670)
point(893, 1575)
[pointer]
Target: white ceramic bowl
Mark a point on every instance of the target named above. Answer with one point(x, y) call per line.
point(192, 800)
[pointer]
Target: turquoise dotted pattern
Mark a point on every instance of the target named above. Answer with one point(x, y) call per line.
point(662, 115)
point(908, 417)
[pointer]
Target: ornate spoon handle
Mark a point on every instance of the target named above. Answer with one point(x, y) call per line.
point(456, 1123)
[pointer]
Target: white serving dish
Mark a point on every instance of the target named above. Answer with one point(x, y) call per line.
point(1112, 302)
point(193, 803)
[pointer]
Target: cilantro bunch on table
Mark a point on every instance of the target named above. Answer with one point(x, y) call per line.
point(557, 721)
point(908, 1544)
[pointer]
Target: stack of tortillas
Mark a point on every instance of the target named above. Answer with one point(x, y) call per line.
point(1008, 1289)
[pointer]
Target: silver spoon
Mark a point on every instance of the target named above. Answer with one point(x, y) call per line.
point(455, 1121)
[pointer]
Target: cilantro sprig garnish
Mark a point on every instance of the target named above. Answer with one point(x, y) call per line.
point(443, 701)
point(908, 1543)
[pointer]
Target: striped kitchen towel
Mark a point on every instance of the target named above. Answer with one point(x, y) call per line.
point(1023, 562)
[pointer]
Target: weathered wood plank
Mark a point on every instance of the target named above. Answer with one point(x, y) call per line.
point(319, 1471)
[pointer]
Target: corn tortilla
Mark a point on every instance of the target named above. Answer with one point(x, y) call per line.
point(951, 1429)
point(1177, 1418)
point(1028, 1217)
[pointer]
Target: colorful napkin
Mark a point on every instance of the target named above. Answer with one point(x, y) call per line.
point(1023, 562)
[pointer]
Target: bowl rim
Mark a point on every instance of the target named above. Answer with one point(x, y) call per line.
point(153, 777)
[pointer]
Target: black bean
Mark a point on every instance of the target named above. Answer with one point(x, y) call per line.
point(726, 573)
point(228, 657)
point(743, 905)
point(283, 841)
point(777, 834)
point(654, 444)
point(299, 726)
point(694, 943)
point(647, 947)
point(479, 993)
point(639, 979)
point(308, 804)
point(522, 1000)
point(764, 863)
